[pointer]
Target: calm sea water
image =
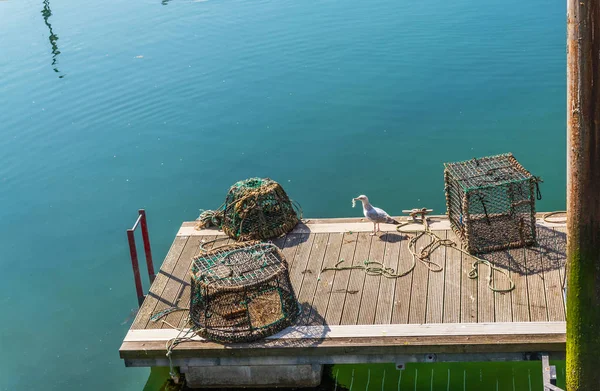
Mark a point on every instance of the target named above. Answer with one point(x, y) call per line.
point(107, 107)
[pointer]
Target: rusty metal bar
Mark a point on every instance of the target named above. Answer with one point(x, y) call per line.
point(549, 374)
point(135, 266)
point(583, 194)
point(147, 249)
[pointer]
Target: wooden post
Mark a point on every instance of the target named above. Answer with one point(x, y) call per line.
point(583, 195)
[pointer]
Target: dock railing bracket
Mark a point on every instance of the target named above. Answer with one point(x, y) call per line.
point(142, 222)
point(549, 374)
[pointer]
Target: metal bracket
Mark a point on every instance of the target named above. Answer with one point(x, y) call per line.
point(418, 215)
point(549, 374)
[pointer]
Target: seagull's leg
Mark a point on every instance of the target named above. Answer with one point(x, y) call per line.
point(374, 226)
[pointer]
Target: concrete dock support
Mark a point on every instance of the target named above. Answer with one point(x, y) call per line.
point(256, 376)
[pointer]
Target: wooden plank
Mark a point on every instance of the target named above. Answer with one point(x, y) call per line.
point(330, 220)
point(162, 278)
point(535, 285)
point(519, 296)
point(502, 305)
point(357, 280)
point(418, 295)
point(501, 280)
point(554, 221)
point(485, 296)
point(390, 330)
point(561, 254)
point(336, 350)
point(325, 227)
point(341, 225)
point(187, 230)
point(177, 278)
point(298, 267)
point(306, 294)
point(435, 285)
point(325, 280)
point(292, 242)
point(180, 318)
point(468, 291)
point(552, 263)
point(368, 303)
point(279, 242)
point(339, 290)
point(387, 286)
point(452, 282)
point(403, 287)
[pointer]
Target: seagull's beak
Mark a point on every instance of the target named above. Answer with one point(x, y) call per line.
point(356, 199)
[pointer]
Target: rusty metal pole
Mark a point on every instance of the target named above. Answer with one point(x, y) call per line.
point(583, 195)
point(135, 266)
point(147, 249)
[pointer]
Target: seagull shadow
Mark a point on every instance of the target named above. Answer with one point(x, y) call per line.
point(392, 237)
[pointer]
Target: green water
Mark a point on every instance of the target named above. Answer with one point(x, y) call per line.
point(476, 376)
point(504, 376)
point(107, 107)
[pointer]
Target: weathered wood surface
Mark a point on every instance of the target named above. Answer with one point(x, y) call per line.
point(350, 297)
point(368, 346)
point(344, 225)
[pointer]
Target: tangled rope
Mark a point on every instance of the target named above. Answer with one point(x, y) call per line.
point(210, 218)
point(371, 268)
point(161, 314)
point(436, 241)
point(183, 336)
point(550, 214)
point(473, 274)
point(375, 268)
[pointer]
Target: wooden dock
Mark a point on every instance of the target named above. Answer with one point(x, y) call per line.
point(351, 317)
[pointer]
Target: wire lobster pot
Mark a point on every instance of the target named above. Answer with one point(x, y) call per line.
point(241, 292)
point(258, 208)
point(491, 203)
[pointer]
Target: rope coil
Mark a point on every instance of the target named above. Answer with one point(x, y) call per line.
point(375, 268)
point(425, 254)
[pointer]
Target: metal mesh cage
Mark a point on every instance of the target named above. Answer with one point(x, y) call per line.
point(257, 208)
point(241, 292)
point(491, 203)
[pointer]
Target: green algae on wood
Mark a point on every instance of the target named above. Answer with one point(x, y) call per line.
point(583, 195)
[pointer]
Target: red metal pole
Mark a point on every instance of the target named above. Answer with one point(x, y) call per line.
point(147, 249)
point(135, 266)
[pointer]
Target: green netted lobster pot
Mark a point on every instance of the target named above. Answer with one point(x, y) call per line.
point(257, 209)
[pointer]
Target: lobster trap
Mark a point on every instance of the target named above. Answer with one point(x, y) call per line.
point(241, 292)
point(254, 209)
point(491, 203)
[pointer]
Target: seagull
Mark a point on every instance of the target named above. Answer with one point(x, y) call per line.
point(376, 215)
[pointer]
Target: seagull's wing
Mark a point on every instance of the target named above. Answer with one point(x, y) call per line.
point(383, 216)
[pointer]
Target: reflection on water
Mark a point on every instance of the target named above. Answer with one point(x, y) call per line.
point(47, 13)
